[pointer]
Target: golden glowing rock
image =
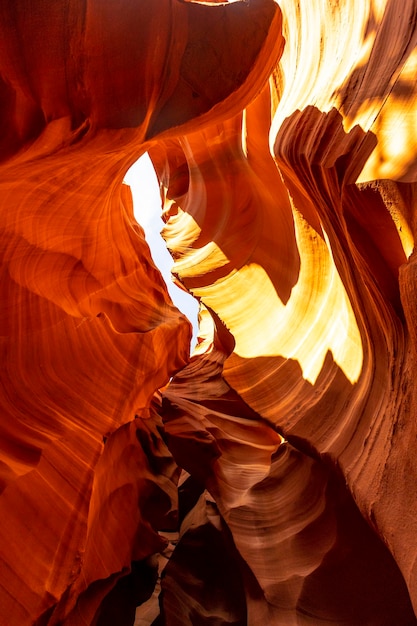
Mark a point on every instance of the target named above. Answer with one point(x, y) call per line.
point(280, 459)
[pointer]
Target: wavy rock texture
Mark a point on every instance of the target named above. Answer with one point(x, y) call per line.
point(283, 452)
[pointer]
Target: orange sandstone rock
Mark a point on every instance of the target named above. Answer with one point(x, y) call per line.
point(88, 332)
point(283, 136)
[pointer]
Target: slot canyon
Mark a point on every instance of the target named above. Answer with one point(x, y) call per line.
point(270, 477)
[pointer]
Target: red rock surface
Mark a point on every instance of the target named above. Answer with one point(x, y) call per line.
point(283, 451)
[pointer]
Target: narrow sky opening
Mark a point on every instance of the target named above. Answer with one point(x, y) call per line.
point(143, 182)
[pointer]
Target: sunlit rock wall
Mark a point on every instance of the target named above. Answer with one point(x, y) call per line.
point(279, 461)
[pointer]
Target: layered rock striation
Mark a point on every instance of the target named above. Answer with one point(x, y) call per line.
point(281, 454)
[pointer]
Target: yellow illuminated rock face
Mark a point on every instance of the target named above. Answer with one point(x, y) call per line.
point(280, 458)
